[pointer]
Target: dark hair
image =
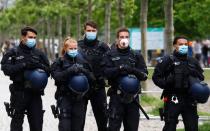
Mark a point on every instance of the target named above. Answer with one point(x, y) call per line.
point(177, 38)
point(26, 29)
point(91, 23)
point(122, 29)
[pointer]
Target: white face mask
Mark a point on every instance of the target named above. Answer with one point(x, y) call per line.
point(124, 43)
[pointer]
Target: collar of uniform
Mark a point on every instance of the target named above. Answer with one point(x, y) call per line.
point(25, 48)
point(124, 51)
point(67, 57)
point(90, 43)
point(179, 56)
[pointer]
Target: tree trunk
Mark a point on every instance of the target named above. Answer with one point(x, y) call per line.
point(44, 37)
point(107, 22)
point(121, 13)
point(49, 38)
point(89, 10)
point(169, 27)
point(68, 25)
point(78, 26)
point(53, 38)
point(60, 41)
point(143, 28)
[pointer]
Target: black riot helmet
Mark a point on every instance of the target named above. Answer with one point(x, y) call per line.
point(36, 79)
point(78, 84)
point(199, 90)
point(129, 86)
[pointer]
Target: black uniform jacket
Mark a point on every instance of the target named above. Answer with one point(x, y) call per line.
point(127, 57)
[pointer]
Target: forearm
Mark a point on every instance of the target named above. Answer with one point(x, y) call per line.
point(141, 75)
point(9, 69)
point(111, 72)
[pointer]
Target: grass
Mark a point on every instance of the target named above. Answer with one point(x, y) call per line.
point(203, 127)
point(149, 100)
point(154, 102)
point(203, 114)
point(207, 74)
point(150, 73)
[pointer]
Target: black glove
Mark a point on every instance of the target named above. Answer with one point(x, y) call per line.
point(30, 65)
point(126, 68)
point(33, 63)
point(73, 69)
point(83, 70)
point(87, 73)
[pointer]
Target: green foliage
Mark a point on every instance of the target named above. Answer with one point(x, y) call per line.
point(190, 17)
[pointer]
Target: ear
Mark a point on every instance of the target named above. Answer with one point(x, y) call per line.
point(23, 38)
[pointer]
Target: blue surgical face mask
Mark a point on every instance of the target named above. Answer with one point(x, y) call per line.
point(91, 35)
point(31, 42)
point(72, 53)
point(183, 49)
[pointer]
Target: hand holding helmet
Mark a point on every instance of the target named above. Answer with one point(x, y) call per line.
point(72, 69)
point(126, 68)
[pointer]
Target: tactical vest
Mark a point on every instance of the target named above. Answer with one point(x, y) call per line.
point(180, 72)
point(21, 56)
point(62, 89)
point(93, 55)
point(64, 63)
point(123, 59)
point(118, 59)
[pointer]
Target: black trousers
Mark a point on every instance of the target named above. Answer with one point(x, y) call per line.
point(26, 102)
point(72, 114)
point(99, 105)
point(121, 112)
point(187, 109)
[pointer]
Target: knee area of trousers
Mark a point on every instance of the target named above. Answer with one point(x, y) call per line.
point(64, 114)
point(171, 121)
point(18, 116)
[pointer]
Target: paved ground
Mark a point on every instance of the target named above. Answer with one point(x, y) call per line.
point(50, 124)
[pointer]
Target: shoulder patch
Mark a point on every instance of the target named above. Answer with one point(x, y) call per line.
point(159, 59)
point(115, 58)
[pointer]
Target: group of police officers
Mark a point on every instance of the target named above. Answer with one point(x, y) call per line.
point(80, 75)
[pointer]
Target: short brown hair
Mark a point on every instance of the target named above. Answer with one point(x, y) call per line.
point(122, 29)
point(26, 29)
point(90, 23)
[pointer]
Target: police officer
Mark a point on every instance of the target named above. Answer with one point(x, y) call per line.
point(172, 75)
point(24, 99)
point(72, 77)
point(124, 70)
point(93, 51)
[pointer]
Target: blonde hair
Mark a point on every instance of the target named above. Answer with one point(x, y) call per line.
point(65, 45)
